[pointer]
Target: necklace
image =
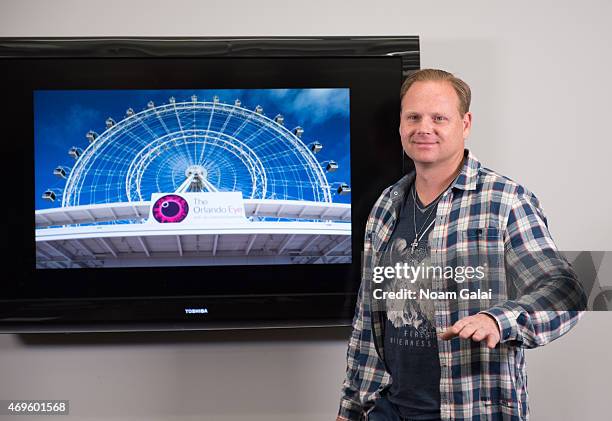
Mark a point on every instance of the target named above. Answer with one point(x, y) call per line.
point(424, 208)
point(418, 234)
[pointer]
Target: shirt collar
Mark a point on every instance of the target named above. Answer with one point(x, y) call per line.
point(466, 180)
point(468, 176)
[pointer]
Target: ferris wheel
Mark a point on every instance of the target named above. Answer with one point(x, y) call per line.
point(196, 146)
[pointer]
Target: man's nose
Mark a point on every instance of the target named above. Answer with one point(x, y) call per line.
point(425, 126)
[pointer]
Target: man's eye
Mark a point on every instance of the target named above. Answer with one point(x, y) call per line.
point(413, 117)
point(439, 118)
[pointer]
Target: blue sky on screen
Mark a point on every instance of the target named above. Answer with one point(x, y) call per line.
point(62, 118)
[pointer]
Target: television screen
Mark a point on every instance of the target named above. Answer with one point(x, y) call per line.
point(193, 183)
point(192, 177)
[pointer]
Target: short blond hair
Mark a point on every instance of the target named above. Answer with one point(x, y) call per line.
point(461, 88)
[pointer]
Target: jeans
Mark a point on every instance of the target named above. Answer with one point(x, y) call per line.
point(384, 410)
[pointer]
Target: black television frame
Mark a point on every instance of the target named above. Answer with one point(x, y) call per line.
point(31, 303)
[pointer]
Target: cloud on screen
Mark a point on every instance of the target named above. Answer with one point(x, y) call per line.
point(320, 104)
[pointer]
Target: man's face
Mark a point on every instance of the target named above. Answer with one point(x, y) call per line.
point(431, 128)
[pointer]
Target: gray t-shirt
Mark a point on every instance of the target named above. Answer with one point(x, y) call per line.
point(410, 344)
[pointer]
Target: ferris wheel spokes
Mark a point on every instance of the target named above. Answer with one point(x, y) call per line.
point(193, 146)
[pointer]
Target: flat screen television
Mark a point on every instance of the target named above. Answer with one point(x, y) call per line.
point(205, 183)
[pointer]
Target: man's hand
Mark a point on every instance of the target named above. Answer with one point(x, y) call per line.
point(479, 327)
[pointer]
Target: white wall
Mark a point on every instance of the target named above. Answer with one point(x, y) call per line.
point(539, 72)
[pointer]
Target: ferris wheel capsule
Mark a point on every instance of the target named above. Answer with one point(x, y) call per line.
point(237, 103)
point(194, 98)
point(75, 152)
point(216, 99)
point(129, 112)
point(279, 119)
point(60, 172)
point(316, 147)
point(91, 136)
point(331, 166)
point(343, 188)
point(298, 131)
point(259, 109)
point(172, 100)
point(150, 104)
point(49, 195)
point(110, 122)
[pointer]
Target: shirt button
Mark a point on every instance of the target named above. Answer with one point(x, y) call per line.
point(395, 193)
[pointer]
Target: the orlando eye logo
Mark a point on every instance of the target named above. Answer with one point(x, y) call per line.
point(170, 208)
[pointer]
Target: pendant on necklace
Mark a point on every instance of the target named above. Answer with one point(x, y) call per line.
point(414, 245)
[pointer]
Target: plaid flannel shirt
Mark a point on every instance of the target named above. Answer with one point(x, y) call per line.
point(482, 216)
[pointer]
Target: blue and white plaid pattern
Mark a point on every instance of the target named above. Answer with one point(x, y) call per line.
point(482, 216)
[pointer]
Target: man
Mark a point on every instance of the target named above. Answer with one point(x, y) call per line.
point(461, 358)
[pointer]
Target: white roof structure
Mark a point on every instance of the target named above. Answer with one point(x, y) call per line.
point(118, 234)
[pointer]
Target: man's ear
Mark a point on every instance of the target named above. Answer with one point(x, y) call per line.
point(467, 124)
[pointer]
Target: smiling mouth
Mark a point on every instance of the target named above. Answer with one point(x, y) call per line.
point(419, 140)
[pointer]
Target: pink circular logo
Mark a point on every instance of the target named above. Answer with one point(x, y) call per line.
point(170, 208)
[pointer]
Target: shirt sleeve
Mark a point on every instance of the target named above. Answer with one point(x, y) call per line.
point(364, 370)
point(549, 298)
point(350, 406)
